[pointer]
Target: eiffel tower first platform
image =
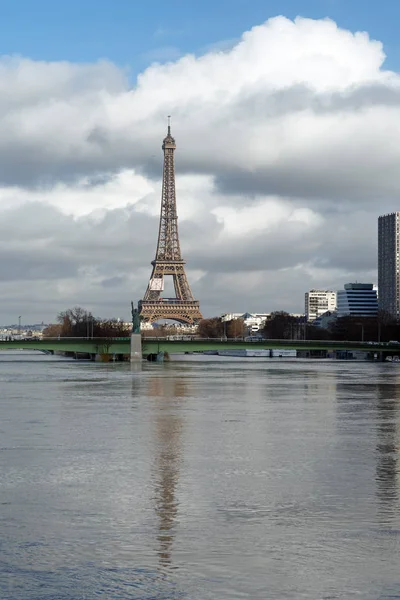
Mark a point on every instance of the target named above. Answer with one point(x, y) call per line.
point(168, 261)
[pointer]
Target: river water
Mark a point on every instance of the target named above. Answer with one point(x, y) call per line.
point(198, 479)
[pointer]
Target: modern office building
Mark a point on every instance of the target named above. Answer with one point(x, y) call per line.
point(318, 302)
point(357, 300)
point(389, 264)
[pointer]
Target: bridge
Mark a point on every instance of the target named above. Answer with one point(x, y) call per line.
point(107, 347)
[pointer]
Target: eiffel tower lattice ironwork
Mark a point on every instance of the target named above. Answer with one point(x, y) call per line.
point(168, 261)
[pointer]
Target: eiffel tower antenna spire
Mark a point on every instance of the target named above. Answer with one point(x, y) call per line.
point(168, 260)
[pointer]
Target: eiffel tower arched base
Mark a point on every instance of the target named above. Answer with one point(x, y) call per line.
point(177, 310)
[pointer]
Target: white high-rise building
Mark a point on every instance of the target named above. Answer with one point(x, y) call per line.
point(317, 302)
point(389, 263)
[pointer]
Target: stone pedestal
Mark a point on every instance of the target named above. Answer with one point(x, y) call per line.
point(136, 347)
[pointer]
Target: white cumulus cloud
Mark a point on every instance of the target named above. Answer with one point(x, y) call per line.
point(287, 151)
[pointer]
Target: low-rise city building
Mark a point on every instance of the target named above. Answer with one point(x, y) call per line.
point(325, 320)
point(253, 321)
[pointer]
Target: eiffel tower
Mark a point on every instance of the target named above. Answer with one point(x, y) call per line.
point(168, 261)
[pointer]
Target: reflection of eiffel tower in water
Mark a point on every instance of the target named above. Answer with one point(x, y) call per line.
point(169, 425)
point(168, 261)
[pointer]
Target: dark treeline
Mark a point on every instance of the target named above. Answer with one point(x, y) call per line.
point(216, 328)
point(283, 326)
point(382, 328)
point(78, 322)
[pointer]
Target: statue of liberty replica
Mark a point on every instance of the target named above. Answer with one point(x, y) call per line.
point(135, 319)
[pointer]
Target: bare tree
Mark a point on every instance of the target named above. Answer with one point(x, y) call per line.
point(210, 328)
point(78, 322)
point(235, 328)
point(52, 331)
point(280, 326)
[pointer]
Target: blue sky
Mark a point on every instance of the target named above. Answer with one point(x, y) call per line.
point(137, 32)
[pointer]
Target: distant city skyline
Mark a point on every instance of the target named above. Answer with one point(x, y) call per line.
point(281, 163)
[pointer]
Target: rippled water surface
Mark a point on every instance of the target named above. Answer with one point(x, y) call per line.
point(200, 478)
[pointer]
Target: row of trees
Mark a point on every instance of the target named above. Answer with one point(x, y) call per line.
point(78, 322)
point(283, 326)
point(280, 326)
point(216, 328)
point(207, 328)
point(382, 328)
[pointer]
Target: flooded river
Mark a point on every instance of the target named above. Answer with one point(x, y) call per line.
point(202, 478)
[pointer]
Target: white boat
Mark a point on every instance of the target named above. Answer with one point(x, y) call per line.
point(393, 358)
point(245, 353)
point(284, 353)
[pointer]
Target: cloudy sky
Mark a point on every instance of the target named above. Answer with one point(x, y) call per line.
point(288, 149)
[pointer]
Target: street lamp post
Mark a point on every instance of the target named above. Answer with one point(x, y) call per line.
point(89, 325)
point(19, 325)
